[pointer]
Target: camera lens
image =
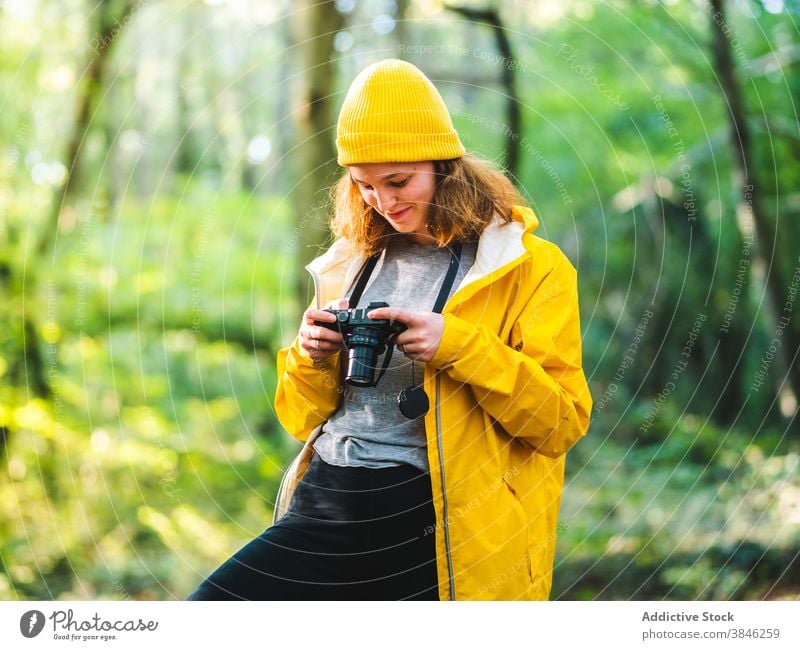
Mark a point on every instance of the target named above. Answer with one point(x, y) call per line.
point(362, 355)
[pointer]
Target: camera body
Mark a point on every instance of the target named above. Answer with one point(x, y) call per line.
point(365, 339)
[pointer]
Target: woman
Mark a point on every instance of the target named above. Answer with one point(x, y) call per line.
point(443, 480)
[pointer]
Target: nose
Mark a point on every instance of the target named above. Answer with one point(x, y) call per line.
point(385, 199)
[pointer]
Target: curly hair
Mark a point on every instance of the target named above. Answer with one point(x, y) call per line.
point(469, 192)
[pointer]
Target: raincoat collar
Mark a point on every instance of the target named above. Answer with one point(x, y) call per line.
point(500, 246)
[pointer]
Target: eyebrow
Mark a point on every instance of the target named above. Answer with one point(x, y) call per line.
point(386, 178)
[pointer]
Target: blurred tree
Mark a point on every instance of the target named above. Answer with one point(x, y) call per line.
point(284, 134)
point(190, 146)
point(745, 165)
point(29, 366)
point(110, 21)
point(317, 24)
point(508, 79)
point(403, 28)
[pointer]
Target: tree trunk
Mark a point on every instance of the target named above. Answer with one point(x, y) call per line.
point(784, 326)
point(401, 31)
point(284, 133)
point(189, 147)
point(315, 154)
point(112, 18)
point(508, 79)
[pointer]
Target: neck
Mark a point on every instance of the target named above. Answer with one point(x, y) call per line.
point(424, 239)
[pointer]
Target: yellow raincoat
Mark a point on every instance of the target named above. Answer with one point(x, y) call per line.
point(508, 398)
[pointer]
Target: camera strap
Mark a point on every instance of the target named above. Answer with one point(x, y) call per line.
point(444, 291)
point(363, 278)
point(441, 299)
point(447, 283)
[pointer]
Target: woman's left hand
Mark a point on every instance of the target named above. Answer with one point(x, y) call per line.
point(421, 340)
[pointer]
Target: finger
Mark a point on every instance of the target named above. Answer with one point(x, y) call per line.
point(317, 333)
point(326, 344)
point(313, 314)
point(317, 349)
point(392, 313)
point(314, 332)
point(403, 339)
point(319, 314)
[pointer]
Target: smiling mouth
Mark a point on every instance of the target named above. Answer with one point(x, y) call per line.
point(394, 215)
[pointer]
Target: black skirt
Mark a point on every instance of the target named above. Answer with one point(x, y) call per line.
point(350, 533)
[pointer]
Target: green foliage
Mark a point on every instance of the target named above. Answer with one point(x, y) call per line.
point(706, 513)
point(159, 441)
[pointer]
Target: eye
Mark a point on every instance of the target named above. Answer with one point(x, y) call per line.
point(398, 183)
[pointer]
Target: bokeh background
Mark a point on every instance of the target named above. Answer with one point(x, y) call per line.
point(164, 167)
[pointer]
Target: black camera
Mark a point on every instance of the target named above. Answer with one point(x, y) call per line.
point(365, 339)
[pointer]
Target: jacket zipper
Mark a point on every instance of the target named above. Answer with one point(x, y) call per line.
point(451, 582)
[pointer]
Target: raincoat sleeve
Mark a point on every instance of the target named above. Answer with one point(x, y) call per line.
point(534, 386)
point(308, 392)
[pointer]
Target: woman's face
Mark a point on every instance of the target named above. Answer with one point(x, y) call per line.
point(401, 193)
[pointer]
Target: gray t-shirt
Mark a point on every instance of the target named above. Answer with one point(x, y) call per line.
point(369, 430)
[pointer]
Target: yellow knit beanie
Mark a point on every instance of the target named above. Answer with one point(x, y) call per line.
point(393, 113)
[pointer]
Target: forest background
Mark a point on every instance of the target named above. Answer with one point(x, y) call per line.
point(164, 167)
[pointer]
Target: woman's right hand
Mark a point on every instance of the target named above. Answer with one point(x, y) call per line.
point(319, 342)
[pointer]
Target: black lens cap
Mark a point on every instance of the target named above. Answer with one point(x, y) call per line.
point(413, 402)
